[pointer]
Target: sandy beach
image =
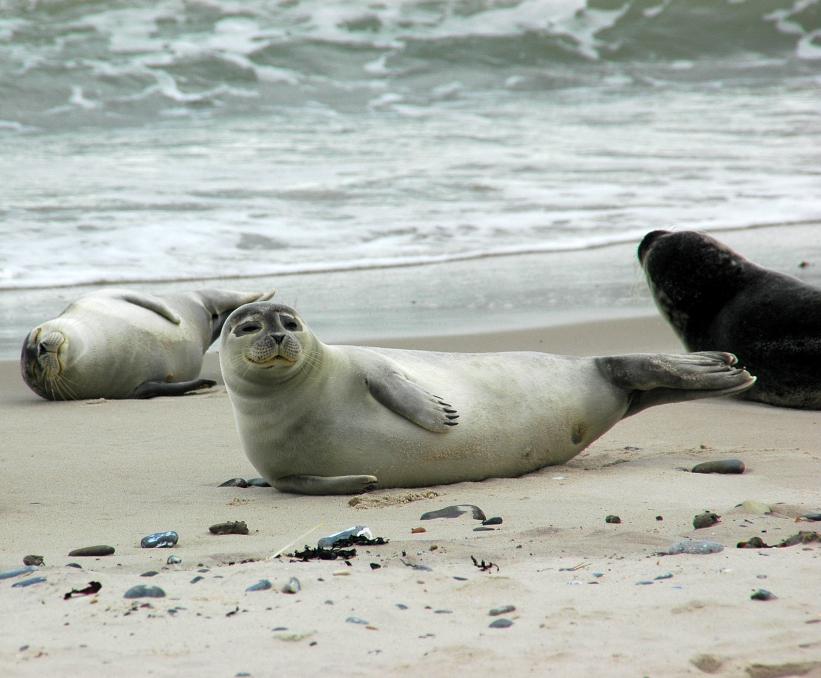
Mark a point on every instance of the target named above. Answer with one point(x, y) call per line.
point(590, 597)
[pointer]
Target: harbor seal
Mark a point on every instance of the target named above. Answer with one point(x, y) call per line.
point(716, 300)
point(320, 419)
point(119, 343)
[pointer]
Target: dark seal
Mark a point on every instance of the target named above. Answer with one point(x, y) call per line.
point(715, 299)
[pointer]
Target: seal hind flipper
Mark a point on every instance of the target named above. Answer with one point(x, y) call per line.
point(671, 378)
point(408, 399)
point(302, 484)
point(153, 389)
point(152, 303)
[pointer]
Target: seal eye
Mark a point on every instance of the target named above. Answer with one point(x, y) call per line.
point(248, 328)
point(289, 323)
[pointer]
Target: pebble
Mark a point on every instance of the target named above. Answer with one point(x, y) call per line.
point(418, 530)
point(33, 560)
point(496, 611)
point(159, 540)
point(483, 529)
point(28, 582)
point(693, 547)
point(402, 606)
point(91, 551)
point(293, 586)
point(230, 527)
point(706, 519)
point(500, 623)
point(77, 565)
point(142, 591)
point(375, 566)
point(258, 482)
point(150, 573)
point(443, 612)
point(644, 582)
point(196, 579)
point(762, 594)
point(173, 560)
point(612, 519)
point(234, 482)
point(356, 620)
point(758, 507)
point(8, 574)
point(722, 466)
point(496, 520)
point(807, 516)
point(455, 512)
point(666, 575)
point(261, 585)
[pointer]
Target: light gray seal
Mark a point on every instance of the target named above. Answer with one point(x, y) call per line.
point(119, 343)
point(319, 419)
point(716, 300)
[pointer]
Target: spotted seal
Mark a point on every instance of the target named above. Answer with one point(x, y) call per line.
point(716, 300)
point(119, 343)
point(320, 419)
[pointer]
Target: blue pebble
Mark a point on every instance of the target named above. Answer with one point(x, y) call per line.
point(159, 540)
point(142, 591)
point(28, 582)
point(8, 574)
point(261, 585)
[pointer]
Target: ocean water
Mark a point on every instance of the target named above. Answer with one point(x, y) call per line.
point(390, 151)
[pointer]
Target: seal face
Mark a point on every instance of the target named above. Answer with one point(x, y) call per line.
point(716, 300)
point(321, 419)
point(120, 343)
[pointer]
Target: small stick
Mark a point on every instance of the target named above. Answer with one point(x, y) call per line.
point(277, 554)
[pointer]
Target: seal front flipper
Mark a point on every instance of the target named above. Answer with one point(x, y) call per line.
point(153, 389)
point(325, 484)
point(406, 398)
point(152, 303)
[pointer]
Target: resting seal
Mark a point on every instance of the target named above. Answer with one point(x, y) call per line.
point(716, 299)
point(320, 419)
point(126, 344)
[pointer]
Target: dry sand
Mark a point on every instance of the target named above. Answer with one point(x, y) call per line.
point(107, 472)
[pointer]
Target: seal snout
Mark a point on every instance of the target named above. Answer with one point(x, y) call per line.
point(647, 241)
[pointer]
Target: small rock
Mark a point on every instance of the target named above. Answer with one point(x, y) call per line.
point(659, 518)
point(261, 585)
point(612, 519)
point(142, 591)
point(234, 482)
point(173, 560)
point(693, 547)
point(28, 582)
point(814, 517)
point(293, 586)
point(401, 606)
point(762, 594)
point(455, 512)
point(722, 466)
point(33, 560)
point(91, 551)
point(496, 611)
point(443, 612)
point(706, 519)
point(159, 540)
point(666, 575)
point(230, 527)
point(496, 520)
point(150, 573)
point(643, 582)
point(375, 566)
point(356, 620)
point(77, 565)
point(500, 623)
point(196, 579)
point(8, 574)
point(757, 507)
point(753, 543)
point(258, 482)
point(484, 529)
point(418, 530)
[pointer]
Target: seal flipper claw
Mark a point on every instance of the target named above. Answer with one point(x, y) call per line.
point(408, 399)
point(153, 389)
point(304, 484)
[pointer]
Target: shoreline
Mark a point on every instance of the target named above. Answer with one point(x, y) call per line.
point(110, 472)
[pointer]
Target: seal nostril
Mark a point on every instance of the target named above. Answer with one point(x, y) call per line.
point(278, 337)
